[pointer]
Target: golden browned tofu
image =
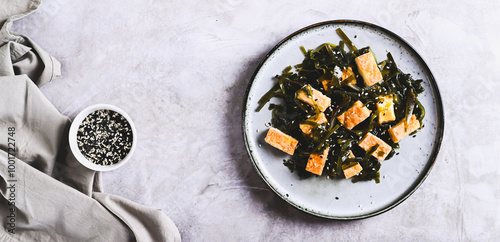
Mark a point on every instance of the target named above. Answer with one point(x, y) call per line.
point(352, 170)
point(354, 115)
point(370, 140)
point(368, 68)
point(398, 131)
point(281, 141)
point(385, 107)
point(316, 162)
point(317, 98)
point(326, 84)
point(318, 118)
point(346, 73)
point(351, 155)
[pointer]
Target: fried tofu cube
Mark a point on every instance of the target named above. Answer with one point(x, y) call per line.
point(317, 98)
point(351, 155)
point(346, 73)
point(399, 131)
point(354, 115)
point(308, 128)
point(326, 84)
point(352, 170)
point(385, 107)
point(368, 68)
point(370, 140)
point(281, 141)
point(316, 162)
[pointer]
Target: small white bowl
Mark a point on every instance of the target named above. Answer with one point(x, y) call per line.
point(73, 133)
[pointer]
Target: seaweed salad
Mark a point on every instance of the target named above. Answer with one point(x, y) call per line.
point(341, 113)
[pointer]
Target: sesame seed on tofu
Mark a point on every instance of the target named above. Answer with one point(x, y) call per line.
point(385, 106)
point(317, 98)
point(281, 141)
point(308, 128)
point(354, 115)
point(399, 131)
point(370, 140)
point(346, 73)
point(368, 68)
point(316, 162)
point(352, 170)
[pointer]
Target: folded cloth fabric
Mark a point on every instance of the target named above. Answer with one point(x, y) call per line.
point(46, 194)
point(20, 55)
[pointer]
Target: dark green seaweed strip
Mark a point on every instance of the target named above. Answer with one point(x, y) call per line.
point(411, 100)
point(273, 92)
point(325, 63)
point(346, 39)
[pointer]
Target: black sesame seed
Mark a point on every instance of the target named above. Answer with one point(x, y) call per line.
point(104, 137)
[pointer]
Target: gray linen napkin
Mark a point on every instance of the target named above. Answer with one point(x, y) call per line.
point(46, 194)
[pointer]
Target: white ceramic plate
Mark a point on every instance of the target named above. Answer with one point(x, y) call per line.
point(74, 129)
point(340, 198)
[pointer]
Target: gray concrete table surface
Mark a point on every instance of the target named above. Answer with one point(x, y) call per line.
point(180, 69)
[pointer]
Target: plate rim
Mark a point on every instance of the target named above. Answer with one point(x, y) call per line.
point(438, 104)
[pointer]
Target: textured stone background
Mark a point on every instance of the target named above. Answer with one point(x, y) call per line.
point(180, 69)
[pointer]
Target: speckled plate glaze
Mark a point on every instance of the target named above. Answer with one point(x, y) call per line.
point(339, 198)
